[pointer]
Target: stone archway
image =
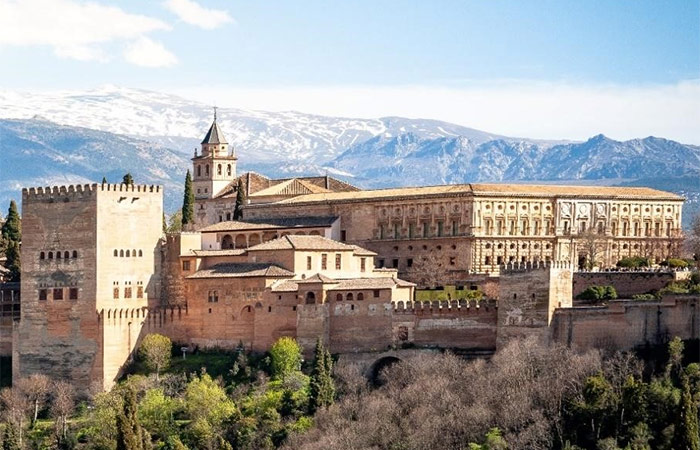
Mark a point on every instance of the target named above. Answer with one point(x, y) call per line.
point(226, 242)
point(380, 365)
point(310, 298)
point(254, 239)
point(241, 241)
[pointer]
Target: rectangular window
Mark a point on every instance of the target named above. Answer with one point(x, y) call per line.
point(452, 260)
point(127, 292)
point(537, 227)
point(455, 228)
point(139, 291)
point(440, 230)
point(381, 231)
point(657, 229)
point(426, 230)
point(376, 293)
point(324, 261)
point(337, 262)
point(668, 229)
point(511, 227)
point(409, 262)
point(525, 228)
point(213, 297)
point(308, 263)
point(499, 260)
point(499, 227)
point(115, 293)
point(185, 266)
point(411, 230)
point(487, 260)
point(343, 235)
point(73, 293)
point(395, 263)
point(42, 294)
point(380, 263)
point(58, 294)
point(397, 231)
point(363, 264)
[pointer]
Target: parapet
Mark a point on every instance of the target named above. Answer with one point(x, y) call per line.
point(446, 307)
point(529, 266)
point(50, 193)
point(121, 187)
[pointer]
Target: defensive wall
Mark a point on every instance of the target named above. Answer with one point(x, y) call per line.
point(627, 283)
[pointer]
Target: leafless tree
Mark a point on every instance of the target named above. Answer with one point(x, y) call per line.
point(62, 405)
point(36, 388)
point(15, 406)
point(591, 244)
point(428, 271)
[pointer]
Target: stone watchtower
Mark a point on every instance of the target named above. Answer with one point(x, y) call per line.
point(528, 294)
point(90, 273)
point(215, 167)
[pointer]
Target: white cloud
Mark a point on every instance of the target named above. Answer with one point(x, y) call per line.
point(532, 109)
point(194, 14)
point(148, 53)
point(73, 29)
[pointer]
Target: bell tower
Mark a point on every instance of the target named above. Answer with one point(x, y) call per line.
point(215, 167)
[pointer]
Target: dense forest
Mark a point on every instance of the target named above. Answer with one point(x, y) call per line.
point(527, 396)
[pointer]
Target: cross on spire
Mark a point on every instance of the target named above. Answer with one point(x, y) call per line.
point(215, 108)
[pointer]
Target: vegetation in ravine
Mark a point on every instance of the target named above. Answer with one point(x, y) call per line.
point(526, 397)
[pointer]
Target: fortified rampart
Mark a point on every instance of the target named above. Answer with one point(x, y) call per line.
point(626, 284)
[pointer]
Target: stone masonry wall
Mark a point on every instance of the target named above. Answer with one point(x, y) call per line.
point(626, 283)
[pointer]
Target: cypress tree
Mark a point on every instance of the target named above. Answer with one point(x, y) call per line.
point(240, 200)
point(130, 436)
point(321, 386)
point(13, 260)
point(687, 430)
point(104, 180)
point(12, 228)
point(188, 202)
point(128, 179)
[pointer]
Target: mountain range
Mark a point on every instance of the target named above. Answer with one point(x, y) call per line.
point(69, 137)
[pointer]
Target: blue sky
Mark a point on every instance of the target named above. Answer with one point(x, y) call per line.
point(370, 58)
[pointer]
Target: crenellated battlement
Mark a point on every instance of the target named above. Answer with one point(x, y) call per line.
point(81, 191)
point(529, 266)
point(446, 307)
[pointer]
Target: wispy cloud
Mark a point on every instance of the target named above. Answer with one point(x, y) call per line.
point(534, 109)
point(149, 53)
point(73, 29)
point(195, 14)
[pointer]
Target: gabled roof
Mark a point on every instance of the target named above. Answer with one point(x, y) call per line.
point(302, 242)
point(214, 135)
point(293, 186)
point(276, 223)
point(317, 278)
point(240, 270)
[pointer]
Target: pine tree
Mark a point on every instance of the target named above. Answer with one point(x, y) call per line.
point(321, 386)
point(12, 228)
point(687, 430)
point(13, 261)
point(188, 202)
point(130, 435)
point(128, 179)
point(240, 200)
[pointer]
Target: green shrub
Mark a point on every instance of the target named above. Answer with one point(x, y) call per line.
point(644, 297)
point(598, 293)
point(633, 262)
point(675, 288)
point(675, 263)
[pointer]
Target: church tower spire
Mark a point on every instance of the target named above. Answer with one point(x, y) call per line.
point(215, 167)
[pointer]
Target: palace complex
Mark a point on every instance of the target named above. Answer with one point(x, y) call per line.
point(317, 258)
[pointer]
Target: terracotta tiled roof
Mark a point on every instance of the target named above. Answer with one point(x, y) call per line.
point(294, 186)
point(239, 270)
point(225, 252)
point(360, 251)
point(318, 278)
point(285, 286)
point(302, 242)
point(265, 224)
point(369, 283)
point(479, 189)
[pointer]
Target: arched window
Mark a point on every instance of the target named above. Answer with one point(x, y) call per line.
point(360, 297)
point(121, 253)
point(339, 298)
point(199, 171)
point(58, 255)
point(218, 169)
point(66, 255)
point(228, 170)
point(50, 255)
point(133, 253)
point(349, 296)
point(42, 255)
point(310, 298)
point(140, 252)
point(75, 253)
point(206, 169)
point(128, 253)
point(116, 252)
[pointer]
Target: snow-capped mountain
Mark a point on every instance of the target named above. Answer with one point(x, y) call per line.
point(259, 137)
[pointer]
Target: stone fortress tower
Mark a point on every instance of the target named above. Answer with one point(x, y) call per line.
point(90, 270)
